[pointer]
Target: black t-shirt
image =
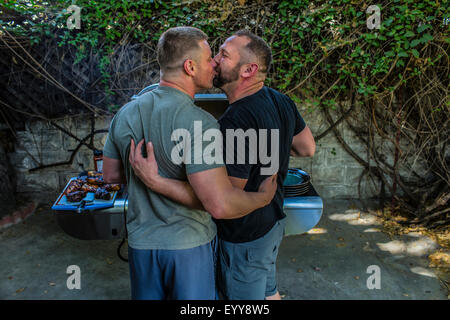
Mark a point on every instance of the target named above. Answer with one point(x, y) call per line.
point(266, 109)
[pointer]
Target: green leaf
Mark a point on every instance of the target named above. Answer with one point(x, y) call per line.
point(389, 53)
point(415, 53)
point(426, 37)
point(389, 21)
point(423, 27)
point(409, 34)
point(415, 42)
point(400, 63)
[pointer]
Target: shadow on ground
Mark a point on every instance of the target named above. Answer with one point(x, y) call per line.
point(333, 261)
point(330, 263)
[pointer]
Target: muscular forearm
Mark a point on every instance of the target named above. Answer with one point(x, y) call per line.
point(176, 190)
point(238, 203)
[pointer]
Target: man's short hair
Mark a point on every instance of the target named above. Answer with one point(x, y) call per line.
point(259, 48)
point(176, 45)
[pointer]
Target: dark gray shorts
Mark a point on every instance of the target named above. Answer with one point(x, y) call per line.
point(186, 274)
point(247, 270)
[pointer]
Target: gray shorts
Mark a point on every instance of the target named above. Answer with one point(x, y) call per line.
point(247, 270)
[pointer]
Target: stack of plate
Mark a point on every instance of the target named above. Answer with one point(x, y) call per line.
point(296, 183)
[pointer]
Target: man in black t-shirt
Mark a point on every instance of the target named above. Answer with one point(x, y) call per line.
point(248, 246)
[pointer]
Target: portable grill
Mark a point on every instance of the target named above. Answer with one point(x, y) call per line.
point(106, 220)
point(93, 220)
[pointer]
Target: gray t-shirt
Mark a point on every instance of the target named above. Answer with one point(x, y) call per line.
point(154, 221)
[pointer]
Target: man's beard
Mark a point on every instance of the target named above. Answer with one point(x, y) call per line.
point(222, 79)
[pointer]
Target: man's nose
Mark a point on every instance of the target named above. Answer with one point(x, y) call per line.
point(214, 63)
point(216, 59)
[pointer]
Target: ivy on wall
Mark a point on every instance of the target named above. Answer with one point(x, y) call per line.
point(325, 41)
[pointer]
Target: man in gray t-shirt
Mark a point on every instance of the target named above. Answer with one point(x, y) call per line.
point(162, 110)
point(170, 245)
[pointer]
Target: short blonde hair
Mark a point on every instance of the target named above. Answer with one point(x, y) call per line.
point(176, 44)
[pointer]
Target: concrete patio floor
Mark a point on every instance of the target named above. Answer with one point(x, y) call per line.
point(333, 261)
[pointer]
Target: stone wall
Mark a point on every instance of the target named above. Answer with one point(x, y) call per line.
point(334, 173)
point(41, 144)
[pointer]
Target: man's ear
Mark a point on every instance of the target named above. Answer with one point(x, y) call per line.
point(189, 67)
point(250, 70)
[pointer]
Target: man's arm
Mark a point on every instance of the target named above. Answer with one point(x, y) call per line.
point(113, 171)
point(238, 182)
point(210, 190)
point(225, 201)
point(303, 144)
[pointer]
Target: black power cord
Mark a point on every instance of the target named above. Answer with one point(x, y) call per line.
point(126, 231)
point(118, 251)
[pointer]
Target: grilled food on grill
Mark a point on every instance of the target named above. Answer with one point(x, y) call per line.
point(98, 180)
point(76, 196)
point(94, 174)
point(93, 182)
point(112, 187)
point(89, 188)
point(102, 194)
point(75, 185)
